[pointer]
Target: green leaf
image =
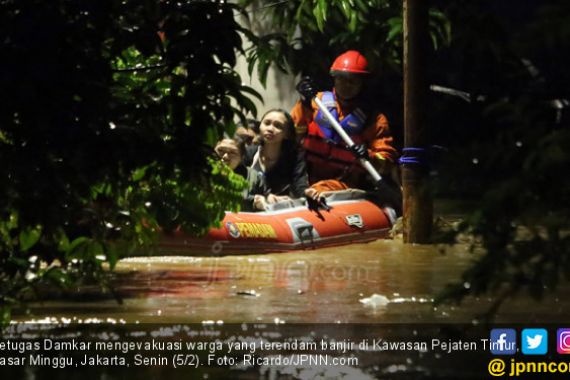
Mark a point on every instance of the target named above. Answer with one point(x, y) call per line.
point(21, 262)
point(94, 249)
point(324, 10)
point(12, 220)
point(212, 136)
point(3, 138)
point(353, 23)
point(5, 315)
point(62, 240)
point(114, 251)
point(246, 104)
point(300, 11)
point(319, 12)
point(29, 237)
point(345, 8)
point(139, 173)
point(250, 90)
point(252, 60)
point(75, 244)
point(362, 6)
point(396, 28)
point(58, 276)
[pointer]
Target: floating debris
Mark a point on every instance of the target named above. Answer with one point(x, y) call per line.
point(248, 293)
point(375, 300)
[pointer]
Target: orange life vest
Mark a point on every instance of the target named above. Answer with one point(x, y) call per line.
point(324, 148)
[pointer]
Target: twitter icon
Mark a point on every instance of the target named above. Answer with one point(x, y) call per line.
point(534, 341)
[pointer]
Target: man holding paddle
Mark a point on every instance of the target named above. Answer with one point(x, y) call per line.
point(334, 161)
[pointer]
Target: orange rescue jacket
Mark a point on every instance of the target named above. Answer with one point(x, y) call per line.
point(328, 159)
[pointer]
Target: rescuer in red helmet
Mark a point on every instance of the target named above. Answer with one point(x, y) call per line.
point(331, 165)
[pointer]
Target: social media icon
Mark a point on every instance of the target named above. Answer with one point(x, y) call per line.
point(563, 341)
point(503, 341)
point(534, 341)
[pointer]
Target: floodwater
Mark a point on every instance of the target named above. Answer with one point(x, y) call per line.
point(380, 282)
point(351, 293)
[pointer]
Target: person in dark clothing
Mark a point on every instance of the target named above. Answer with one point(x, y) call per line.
point(277, 160)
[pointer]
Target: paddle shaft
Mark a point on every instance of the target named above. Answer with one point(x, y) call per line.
point(347, 140)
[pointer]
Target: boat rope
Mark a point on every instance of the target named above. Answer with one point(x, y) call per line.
point(414, 156)
point(419, 156)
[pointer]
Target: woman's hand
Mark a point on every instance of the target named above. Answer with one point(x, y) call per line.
point(272, 198)
point(259, 202)
point(312, 193)
point(315, 200)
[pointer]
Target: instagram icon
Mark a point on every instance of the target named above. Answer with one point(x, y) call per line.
point(563, 341)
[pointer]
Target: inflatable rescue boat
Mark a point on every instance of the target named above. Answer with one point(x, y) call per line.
point(288, 226)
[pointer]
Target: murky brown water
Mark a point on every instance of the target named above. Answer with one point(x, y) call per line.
point(371, 289)
point(328, 285)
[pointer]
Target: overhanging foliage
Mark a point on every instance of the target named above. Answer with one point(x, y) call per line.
point(109, 112)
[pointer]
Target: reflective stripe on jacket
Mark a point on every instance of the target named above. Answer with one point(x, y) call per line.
point(323, 146)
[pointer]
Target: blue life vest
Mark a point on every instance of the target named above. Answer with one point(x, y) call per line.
point(352, 124)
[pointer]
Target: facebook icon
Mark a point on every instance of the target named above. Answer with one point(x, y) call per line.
point(503, 342)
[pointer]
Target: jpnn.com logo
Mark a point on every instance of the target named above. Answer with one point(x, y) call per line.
point(503, 342)
point(534, 341)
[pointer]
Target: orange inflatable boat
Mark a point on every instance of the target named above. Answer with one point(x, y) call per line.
point(288, 226)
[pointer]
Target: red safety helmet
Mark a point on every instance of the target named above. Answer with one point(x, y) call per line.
point(350, 61)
